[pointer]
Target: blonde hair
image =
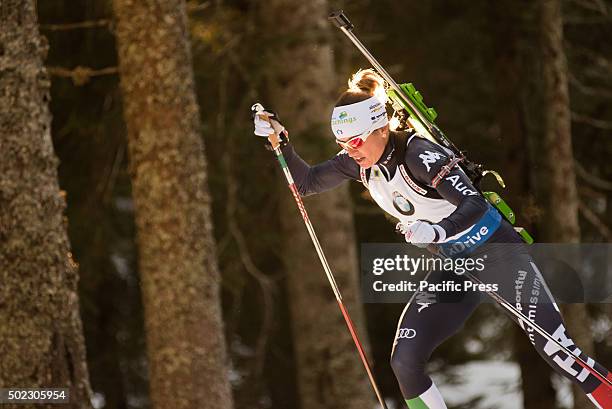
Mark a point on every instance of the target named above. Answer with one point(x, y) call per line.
point(363, 85)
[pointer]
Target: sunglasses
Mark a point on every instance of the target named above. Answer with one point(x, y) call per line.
point(355, 142)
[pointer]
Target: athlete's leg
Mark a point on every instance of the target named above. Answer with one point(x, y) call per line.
point(427, 320)
point(525, 288)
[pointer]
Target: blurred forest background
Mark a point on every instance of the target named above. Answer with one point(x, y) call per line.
point(479, 63)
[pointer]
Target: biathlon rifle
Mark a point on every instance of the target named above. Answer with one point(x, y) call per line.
point(412, 112)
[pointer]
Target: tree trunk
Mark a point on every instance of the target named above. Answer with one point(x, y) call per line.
point(180, 278)
point(562, 212)
point(507, 22)
point(41, 338)
point(303, 87)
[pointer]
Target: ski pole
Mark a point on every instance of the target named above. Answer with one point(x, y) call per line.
point(536, 327)
point(274, 140)
point(434, 249)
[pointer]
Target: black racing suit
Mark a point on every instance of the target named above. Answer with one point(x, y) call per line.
point(443, 314)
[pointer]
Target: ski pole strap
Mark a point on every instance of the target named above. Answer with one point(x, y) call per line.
point(482, 231)
point(445, 170)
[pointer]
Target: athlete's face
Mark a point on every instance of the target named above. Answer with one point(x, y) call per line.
point(371, 150)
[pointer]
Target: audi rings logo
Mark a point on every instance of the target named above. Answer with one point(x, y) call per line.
point(406, 333)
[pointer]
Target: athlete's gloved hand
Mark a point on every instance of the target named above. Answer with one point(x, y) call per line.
point(421, 233)
point(265, 127)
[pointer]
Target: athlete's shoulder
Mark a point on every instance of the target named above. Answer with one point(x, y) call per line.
point(417, 145)
point(425, 158)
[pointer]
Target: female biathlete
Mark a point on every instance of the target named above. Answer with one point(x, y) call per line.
point(419, 183)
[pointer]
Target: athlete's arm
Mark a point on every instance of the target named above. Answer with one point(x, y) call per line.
point(425, 160)
point(320, 177)
point(308, 179)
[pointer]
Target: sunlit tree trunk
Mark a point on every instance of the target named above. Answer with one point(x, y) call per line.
point(41, 337)
point(180, 279)
point(562, 212)
point(303, 88)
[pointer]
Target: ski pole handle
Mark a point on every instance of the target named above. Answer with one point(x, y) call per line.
point(340, 20)
point(274, 137)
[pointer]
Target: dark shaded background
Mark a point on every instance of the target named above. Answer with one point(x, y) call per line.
point(457, 53)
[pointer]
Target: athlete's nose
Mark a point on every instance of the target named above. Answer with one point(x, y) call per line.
point(353, 153)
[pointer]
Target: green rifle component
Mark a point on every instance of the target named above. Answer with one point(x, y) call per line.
point(399, 104)
point(405, 103)
point(524, 234)
point(500, 205)
point(416, 98)
point(507, 212)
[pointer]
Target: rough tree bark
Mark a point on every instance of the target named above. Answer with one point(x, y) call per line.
point(41, 338)
point(302, 87)
point(562, 212)
point(180, 278)
point(507, 19)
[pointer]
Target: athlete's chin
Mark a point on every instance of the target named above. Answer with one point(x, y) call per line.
point(365, 163)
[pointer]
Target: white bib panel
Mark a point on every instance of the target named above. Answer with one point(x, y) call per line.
point(400, 199)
